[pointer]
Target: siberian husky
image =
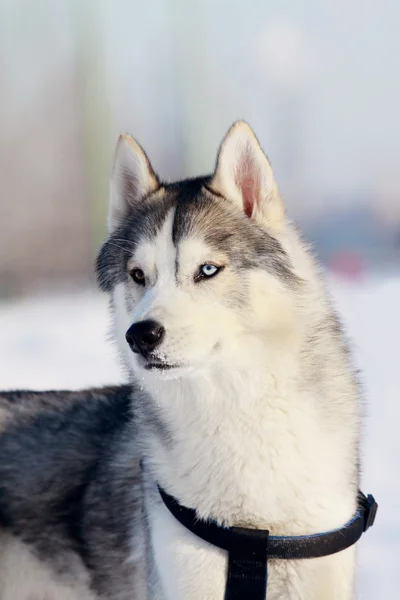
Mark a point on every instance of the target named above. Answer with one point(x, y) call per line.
point(243, 403)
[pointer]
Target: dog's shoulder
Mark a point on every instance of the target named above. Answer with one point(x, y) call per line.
point(51, 444)
point(70, 479)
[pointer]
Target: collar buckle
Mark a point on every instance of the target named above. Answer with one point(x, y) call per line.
point(370, 509)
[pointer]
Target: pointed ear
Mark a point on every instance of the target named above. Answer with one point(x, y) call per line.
point(244, 175)
point(132, 179)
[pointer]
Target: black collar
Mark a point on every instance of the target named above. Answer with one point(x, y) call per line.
point(250, 549)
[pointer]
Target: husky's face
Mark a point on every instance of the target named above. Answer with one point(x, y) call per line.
point(196, 270)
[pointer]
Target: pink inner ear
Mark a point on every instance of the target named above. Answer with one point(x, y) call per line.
point(247, 180)
point(248, 195)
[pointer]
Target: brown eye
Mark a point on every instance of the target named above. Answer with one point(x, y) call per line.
point(138, 276)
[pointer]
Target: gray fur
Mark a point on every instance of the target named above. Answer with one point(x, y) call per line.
point(71, 486)
point(70, 481)
point(198, 210)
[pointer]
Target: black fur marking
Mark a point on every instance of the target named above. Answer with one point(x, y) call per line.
point(212, 191)
point(223, 225)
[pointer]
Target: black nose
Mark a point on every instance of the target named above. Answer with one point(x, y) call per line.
point(145, 336)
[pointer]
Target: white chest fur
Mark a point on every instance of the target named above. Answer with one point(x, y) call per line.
point(275, 463)
point(188, 567)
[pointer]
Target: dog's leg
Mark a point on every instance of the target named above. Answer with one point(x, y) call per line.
point(24, 577)
point(329, 578)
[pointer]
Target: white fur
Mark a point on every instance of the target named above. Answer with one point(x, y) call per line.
point(132, 179)
point(24, 577)
point(257, 441)
point(249, 447)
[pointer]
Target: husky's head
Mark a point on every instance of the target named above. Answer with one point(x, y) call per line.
point(203, 272)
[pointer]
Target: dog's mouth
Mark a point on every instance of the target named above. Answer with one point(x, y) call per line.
point(159, 366)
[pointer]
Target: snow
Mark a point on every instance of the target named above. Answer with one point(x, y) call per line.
point(57, 341)
point(60, 341)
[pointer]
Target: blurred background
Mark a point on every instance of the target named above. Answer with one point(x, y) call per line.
point(319, 82)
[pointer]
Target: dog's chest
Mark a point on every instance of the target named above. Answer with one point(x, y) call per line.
point(276, 470)
point(258, 472)
point(188, 568)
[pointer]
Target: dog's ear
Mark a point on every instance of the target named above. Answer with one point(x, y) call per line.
point(243, 174)
point(132, 179)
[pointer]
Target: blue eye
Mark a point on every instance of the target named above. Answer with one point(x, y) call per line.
point(207, 271)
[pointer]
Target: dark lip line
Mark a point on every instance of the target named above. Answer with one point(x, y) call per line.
point(160, 366)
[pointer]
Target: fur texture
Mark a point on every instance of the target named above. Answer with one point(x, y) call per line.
point(247, 410)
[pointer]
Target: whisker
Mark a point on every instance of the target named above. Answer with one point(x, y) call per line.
point(122, 240)
point(117, 246)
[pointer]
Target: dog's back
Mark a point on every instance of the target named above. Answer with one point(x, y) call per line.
point(57, 474)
